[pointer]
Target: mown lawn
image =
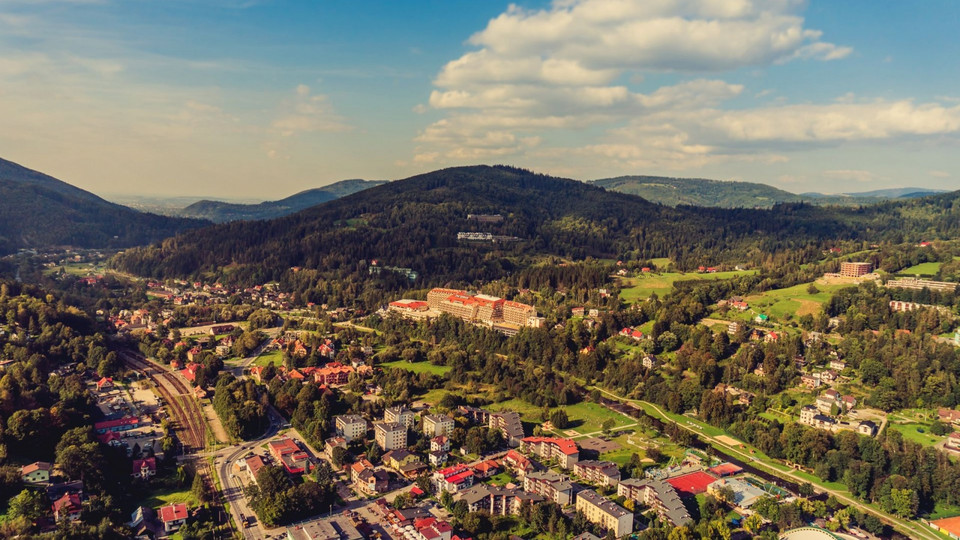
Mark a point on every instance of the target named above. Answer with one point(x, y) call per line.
point(164, 497)
point(922, 269)
point(417, 367)
point(639, 288)
point(585, 417)
point(910, 432)
point(275, 357)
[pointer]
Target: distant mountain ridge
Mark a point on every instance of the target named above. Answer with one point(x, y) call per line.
point(37, 210)
point(221, 212)
point(415, 223)
point(734, 194)
point(698, 191)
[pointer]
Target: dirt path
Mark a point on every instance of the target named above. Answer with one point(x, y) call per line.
point(216, 426)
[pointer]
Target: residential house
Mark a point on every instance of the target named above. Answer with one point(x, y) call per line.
point(486, 469)
point(144, 468)
point(413, 469)
point(253, 464)
point(810, 417)
point(437, 458)
point(68, 507)
point(518, 463)
point(173, 516)
point(453, 479)
point(953, 441)
point(867, 428)
point(36, 472)
point(334, 442)
point(810, 381)
point(440, 444)
point(605, 513)
point(948, 416)
point(398, 458)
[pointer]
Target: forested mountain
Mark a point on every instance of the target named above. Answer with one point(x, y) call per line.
point(37, 210)
point(414, 223)
point(729, 194)
point(698, 191)
point(220, 212)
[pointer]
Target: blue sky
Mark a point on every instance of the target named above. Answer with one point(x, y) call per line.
point(260, 99)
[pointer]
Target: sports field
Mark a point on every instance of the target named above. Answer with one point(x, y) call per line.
point(692, 484)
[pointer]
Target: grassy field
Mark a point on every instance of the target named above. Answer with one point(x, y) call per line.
point(170, 496)
point(910, 432)
point(791, 302)
point(922, 269)
point(418, 367)
point(276, 357)
point(78, 269)
point(585, 417)
point(641, 287)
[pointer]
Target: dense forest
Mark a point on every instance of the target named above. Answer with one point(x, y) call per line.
point(39, 211)
point(413, 223)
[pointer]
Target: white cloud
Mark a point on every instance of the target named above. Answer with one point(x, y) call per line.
point(536, 72)
point(539, 79)
point(307, 113)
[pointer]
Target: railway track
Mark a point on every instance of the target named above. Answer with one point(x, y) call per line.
point(180, 402)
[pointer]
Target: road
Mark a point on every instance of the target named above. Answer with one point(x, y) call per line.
point(232, 486)
point(245, 363)
point(910, 528)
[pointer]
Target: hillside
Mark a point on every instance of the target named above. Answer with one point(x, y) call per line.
point(37, 210)
point(729, 194)
point(221, 212)
point(698, 191)
point(414, 223)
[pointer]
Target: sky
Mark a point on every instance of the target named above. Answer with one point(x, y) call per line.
point(263, 98)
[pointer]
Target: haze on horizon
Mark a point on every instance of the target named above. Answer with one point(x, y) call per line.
point(265, 98)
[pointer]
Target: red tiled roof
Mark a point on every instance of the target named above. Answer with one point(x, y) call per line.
point(567, 446)
point(36, 466)
point(125, 421)
point(173, 512)
point(461, 477)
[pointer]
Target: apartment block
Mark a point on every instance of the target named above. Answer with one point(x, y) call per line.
point(550, 485)
point(598, 473)
point(435, 425)
point(390, 435)
point(399, 415)
point(604, 512)
point(350, 426)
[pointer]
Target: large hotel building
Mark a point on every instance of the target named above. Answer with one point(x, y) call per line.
point(855, 269)
point(482, 308)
